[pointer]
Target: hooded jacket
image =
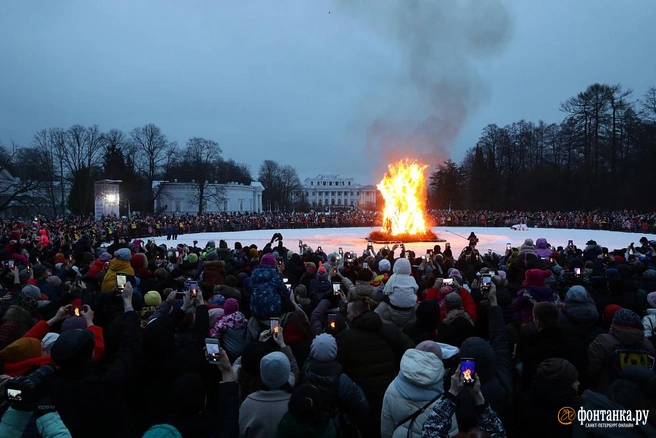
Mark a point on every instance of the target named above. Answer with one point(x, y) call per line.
point(401, 288)
point(115, 266)
point(542, 248)
point(419, 381)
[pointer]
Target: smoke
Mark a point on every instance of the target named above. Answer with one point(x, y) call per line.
point(438, 86)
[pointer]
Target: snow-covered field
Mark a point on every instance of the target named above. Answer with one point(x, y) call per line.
point(354, 239)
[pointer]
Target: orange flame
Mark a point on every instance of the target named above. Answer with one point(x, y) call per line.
point(403, 189)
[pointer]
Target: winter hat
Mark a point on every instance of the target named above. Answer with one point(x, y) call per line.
point(612, 273)
point(32, 291)
point(152, 298)
point(49, 340)
point(138, 261)
point(535, 277)
point(453, 301)
point(363, 290)
point(105, 257)
point(310, 267)
point(268, 259)
point(60, 258)
point(649, 274)
point(576, 294)
point(218, 300)
point(448, 351)
point(610, 310)
point(21, 349)
point(39, 270)
point(230, 306)
point(123, 254)
point(9, 332)
point(73, 348)
point(54, 280)
point(72, 323)
point(651, 299)
point(430, 347)
point(300, 291)
point(502, 275)
point(384, 266)
point(625, 318)
point(558, 370)
point(274, 370)
point(253, 253)
point(162, 431)
point(454, 273)
point(212, 256)
point(322, 274)
point(223, 244)
point(527, 245)
point(324, 348)
point(27, 302)
point(193, 258)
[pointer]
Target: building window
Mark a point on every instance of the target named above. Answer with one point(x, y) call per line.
point(339, 202)
point(311, 183)
point(358, 193)
point(332, 202)
point(324, 183)
point(349, 183)
point(330, 183)
point(177, 206)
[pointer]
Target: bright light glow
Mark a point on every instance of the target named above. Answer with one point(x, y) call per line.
point(404, 189)
point(112, 198)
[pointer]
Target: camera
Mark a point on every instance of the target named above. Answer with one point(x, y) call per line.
point(24, 387)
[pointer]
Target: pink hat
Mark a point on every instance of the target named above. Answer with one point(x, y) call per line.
point(430, 347)
point(231, 306)
point(268, 259)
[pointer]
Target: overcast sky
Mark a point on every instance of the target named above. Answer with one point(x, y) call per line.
point(326, 86)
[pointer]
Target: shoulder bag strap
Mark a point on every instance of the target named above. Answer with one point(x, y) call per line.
point(417, 412)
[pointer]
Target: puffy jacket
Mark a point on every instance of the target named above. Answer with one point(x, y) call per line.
point(213, 273)
point(419, 381)
point(115, 266)
point(49, 426)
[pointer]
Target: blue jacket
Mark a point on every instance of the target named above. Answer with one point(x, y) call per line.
point(50, 425)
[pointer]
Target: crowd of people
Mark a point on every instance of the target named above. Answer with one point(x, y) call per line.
point(135, 339)
point(106, 229)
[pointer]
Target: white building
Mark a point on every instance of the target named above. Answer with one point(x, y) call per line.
point(182, 197)
point(331, 190)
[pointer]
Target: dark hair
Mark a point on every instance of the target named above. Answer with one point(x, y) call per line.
point(307, 402)
point(547, 314)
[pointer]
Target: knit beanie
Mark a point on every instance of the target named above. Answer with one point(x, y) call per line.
point(527, 245)
point(72, 323)
point(535, 277)
point(212, 256)
point(502, 275)
point(576, 294)
point(54, 280)
point(453, 301)
point(49, 340)
point(231, 306)
point(364, 290)
point(324, 348)
point(218, 300)
point(322, 274)
point(192, 258)
point(32, 291)
point(105, 257)
point(123, 254)
point(610, 310)
point(612, 273)
point(152, 298)
point(454, 273)
point(384, 266)
point(274, 370)
point(73, 348)
point(557, 370)
point(162, 431)
point(310, 267)
point(268, 259)
point(39, 270)
point(625, 318)
point(651, 299)
point(20, 350)
point(430, 347)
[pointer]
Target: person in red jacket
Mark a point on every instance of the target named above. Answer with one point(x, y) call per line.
point(468, 303)
point(27, 352)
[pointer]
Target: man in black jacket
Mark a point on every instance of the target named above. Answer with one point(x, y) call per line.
point(370, 353)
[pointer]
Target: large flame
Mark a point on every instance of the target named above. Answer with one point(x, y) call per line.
point(404, 189)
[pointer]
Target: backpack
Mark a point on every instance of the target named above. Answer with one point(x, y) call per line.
point(623, 357)
point(266, 301)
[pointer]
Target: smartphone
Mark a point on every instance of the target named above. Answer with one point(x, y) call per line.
point(340, 251)
point(10, 264)
point(14, 394)
point(487, 281)
point(332, 321)
point(193, 288)
point(407, 254)
point(429, 252)
point(336, 288)
point(467, 371)
point(29, 268)
point(120, 280)
point(570, 243)
point(365, 264)
point(551, 260)
point(70, 257)
point(577, 271)
point(508, 246)
point(177, 254)
point(285, 280)
point(180, 295)
point(279, 262)
point(274, 325)
point(447, 281)
point(212, 350)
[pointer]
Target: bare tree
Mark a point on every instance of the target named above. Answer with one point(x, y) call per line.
point(280, 182)
point(201, 157)
point(153, 154)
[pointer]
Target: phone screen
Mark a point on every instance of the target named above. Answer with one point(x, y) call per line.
point(213, 350)
point(14, 394)
point(508, 246)
point(577, 271)
point(365, 264)
point(487, 279)
point(467, 369)
point(193, 288)
point(336, 288)
point(332, 321)
point(274, 325)
point(10, 263)
point(120, 281)
point(77, 311)
point(447, 281)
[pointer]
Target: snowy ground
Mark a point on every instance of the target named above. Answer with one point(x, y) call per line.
point(354, 239)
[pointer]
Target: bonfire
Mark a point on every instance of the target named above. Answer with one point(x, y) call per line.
point(404, 190)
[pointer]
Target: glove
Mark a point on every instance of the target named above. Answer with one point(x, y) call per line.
point(45, 406)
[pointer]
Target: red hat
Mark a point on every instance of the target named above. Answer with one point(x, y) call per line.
point(536, 277)
point(15, 235)
point(609, 311)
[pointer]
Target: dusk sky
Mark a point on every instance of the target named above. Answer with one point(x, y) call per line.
point(325, 86)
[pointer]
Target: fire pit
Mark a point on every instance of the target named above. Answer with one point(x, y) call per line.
point(404, 190)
